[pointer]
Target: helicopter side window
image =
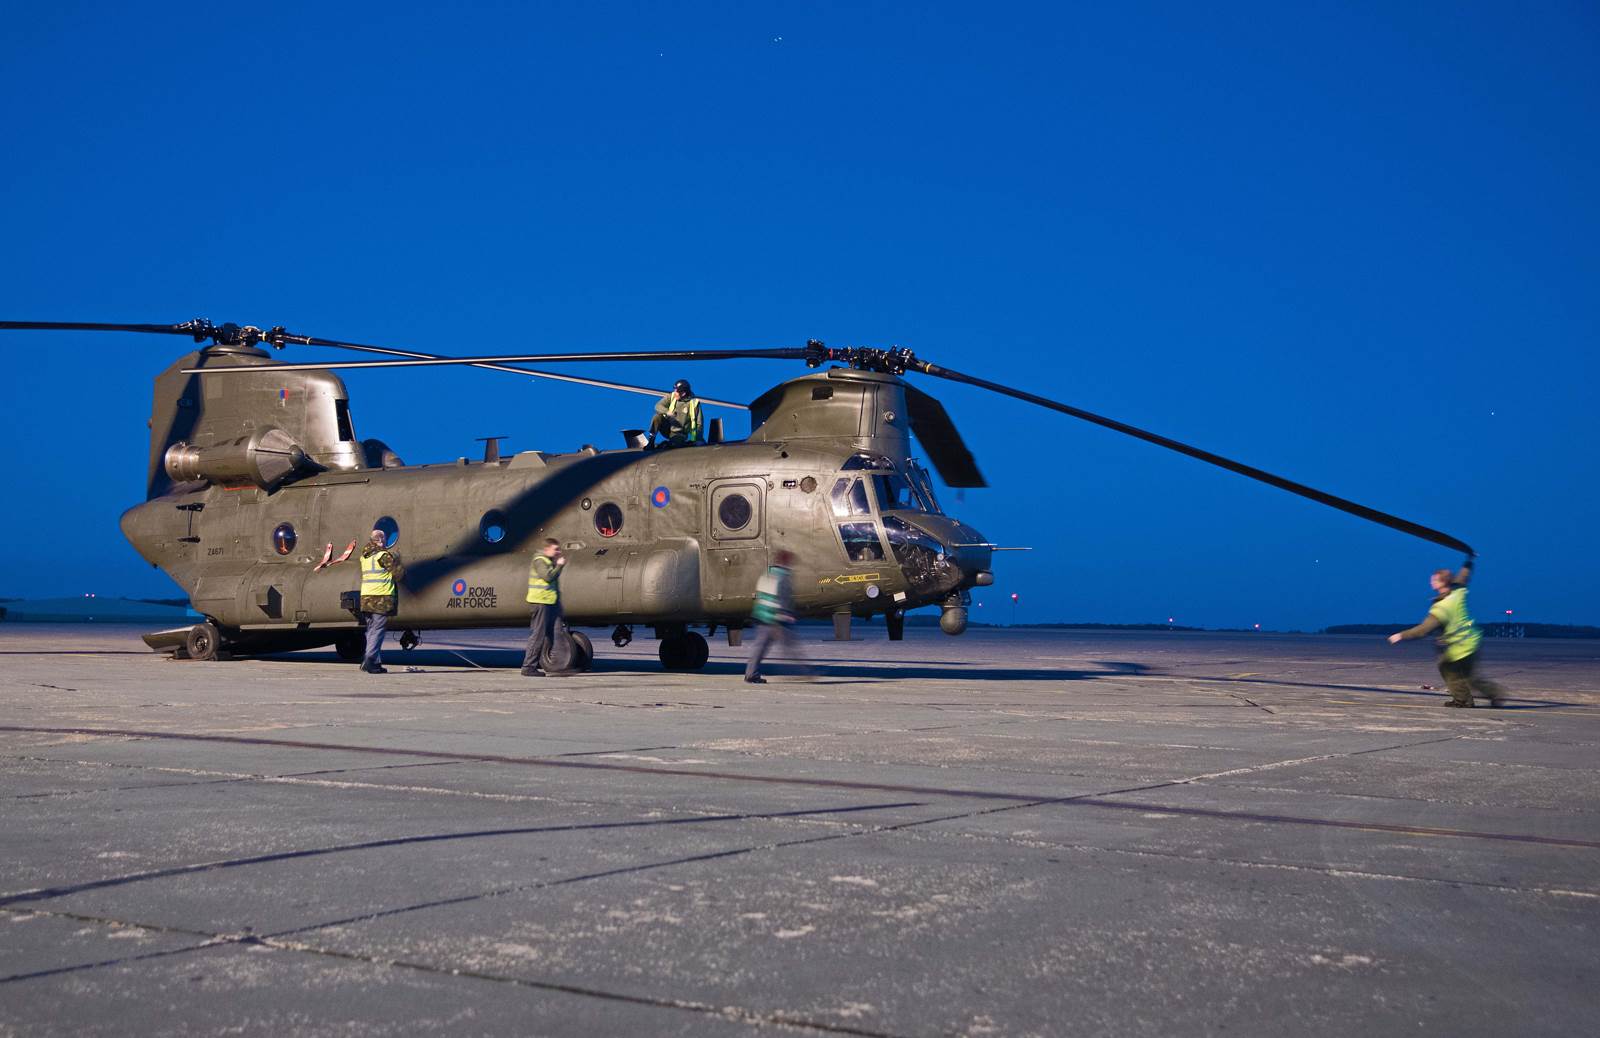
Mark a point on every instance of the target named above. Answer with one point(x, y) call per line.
point(284, 538)
point(492, 527)
point(341, 412)
point(734, 512)
point(849, 498)
point(391, 530)
point(861, 542)
point(608, 520)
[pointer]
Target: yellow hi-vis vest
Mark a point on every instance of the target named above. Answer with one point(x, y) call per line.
point(691, 421)
point(542, 582)
point(686, 413)
point(375, 580)
point(1460, 637)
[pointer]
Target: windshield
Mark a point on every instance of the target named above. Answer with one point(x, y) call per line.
point(924, 485)
point(894, 492)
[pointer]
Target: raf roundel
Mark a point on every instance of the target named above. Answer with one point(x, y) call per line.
point(459, 587)
point(661, 498)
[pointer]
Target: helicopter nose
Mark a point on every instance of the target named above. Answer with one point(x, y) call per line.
point(965, 549)
point(974, 558)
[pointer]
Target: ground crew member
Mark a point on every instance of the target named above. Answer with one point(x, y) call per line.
point(773, 613)
point(1458, 639)
point(544, 592)
point(379, 597)
point(678, 417)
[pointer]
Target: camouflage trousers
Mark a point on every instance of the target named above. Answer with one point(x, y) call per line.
point(1461, 677)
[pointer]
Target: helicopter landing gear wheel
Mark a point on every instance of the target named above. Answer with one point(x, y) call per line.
point(686, 651)
point(351, 646)
point(569, 652)
point(585, 650)
point(203, 642)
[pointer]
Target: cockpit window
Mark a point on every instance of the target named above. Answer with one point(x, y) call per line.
point(849, 498)
point(871, 462)
point(861, 542)
point(895, 493)
point(924, 485)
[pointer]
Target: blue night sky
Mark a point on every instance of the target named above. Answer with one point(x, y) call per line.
point(1356, 244)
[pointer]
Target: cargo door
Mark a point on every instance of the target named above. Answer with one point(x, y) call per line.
point(735, 554)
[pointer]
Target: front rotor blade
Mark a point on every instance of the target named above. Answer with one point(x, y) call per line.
point(1260, 475)
point(943, 442)
point(600, 383)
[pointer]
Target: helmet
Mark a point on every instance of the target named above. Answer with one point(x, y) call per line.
point(682, 386)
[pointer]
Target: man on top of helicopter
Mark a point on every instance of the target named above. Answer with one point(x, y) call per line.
point(678, 417)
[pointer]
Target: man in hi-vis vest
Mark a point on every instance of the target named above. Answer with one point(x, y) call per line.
point(1458, 640)
point(677, 417)
point(379, 597)
point(544, 592)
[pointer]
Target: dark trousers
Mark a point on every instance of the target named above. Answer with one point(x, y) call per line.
point(666, 425)
point(377, 625)
point(541, 632)
point(768, 636)
point(1461, 677)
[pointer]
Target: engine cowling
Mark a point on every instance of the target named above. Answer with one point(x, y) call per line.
point(266, 458)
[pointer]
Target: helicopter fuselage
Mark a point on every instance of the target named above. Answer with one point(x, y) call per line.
point(655, 537)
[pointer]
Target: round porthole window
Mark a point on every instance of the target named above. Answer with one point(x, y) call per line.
point(492, 527)
point(608, 520)
point(283, 538)
point(734, 512)
point(391, 530)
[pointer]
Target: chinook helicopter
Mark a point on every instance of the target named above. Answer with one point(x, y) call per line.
point(256, 477)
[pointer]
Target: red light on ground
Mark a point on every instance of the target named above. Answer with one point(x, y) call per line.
point(1013, 596)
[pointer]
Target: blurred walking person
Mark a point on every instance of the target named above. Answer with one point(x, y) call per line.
point(773, 613)
point(1458, 639)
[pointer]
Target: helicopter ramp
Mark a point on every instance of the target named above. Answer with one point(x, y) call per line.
point(1009, 833)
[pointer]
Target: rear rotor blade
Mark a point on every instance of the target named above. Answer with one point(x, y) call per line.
point(943, 442)
point(1250, 471)
point(201, 329)
point(772, 353)
point(82, 326)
